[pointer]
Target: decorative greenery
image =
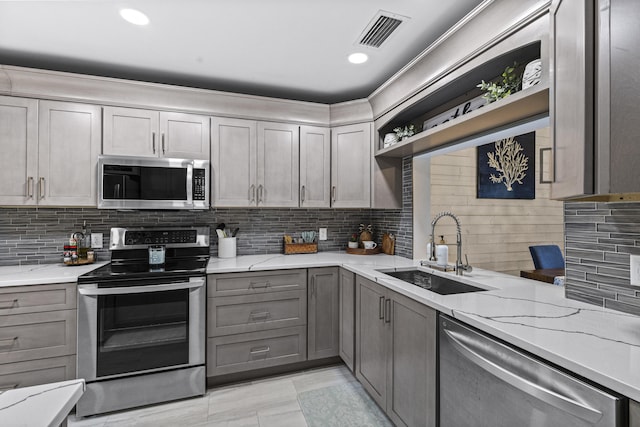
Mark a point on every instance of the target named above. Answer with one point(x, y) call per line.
point(511, 82)
point(354, 237)
point(405, 132)
point(368, 228)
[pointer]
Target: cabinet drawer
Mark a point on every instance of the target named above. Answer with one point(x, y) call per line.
point(250, 313)
point(243, 352)
point(256, 282)
point(37, 335)
point(31, 299)
point(35, 372)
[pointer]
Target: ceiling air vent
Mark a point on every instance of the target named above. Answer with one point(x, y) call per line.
point(379, 29)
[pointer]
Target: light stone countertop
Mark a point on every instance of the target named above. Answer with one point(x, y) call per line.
point(40, 405)
point(43, 274)
point(600, 344)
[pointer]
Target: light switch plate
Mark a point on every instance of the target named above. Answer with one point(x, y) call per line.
point(322, 234)
point(634, 262)
point(96, 240)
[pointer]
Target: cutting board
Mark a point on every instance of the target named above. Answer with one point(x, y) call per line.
point(388, 243)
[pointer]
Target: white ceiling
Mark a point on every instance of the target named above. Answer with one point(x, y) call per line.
point(284, 48)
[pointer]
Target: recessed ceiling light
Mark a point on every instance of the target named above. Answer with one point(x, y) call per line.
point(358, 58)
point(134, 16)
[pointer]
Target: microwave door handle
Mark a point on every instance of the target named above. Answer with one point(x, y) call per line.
point(190, 183)
point(93, 290)
point(116, 191)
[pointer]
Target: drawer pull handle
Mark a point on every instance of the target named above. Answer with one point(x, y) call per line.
point(8, 304)
point(381, 308)
point(259, 285)
point(8, 342)
point(259, 315)
point(8, 387)
point(259, 351)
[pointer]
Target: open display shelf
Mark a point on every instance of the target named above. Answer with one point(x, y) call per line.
point(524, 106)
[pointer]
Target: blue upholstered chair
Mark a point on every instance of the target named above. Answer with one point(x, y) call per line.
point(546, 256)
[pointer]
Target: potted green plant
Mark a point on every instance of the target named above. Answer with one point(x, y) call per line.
point(353, 240)
point(406, 132)
point(510, 83)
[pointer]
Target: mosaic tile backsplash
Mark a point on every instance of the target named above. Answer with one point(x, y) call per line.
point(599, 239)
point(37, 235)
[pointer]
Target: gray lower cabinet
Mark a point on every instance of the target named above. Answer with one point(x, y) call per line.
point(347, 317)
point(256, 320)
point(37, 334)
point(634, 413)
point(323, 312)
point(396, 353)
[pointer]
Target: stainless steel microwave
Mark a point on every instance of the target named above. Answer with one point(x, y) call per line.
point(150, 183)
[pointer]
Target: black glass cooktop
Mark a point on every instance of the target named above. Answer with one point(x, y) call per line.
point(140, 269)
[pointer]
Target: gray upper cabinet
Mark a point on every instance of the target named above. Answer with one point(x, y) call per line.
point(396, 353)
point(68, 150)
point(593, 99)
point(323, 312)
point(147, 133)
point(234, 153)
point(315, 167)
point(254, 163)
point(54, 149)
point(278, 165)
point(19, 160)
point(351, 166)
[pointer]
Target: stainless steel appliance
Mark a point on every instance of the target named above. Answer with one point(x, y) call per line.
point(151, 183)
point(141, 327)
point(486, 383)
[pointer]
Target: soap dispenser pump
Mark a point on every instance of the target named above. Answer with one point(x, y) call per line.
point(442, 252)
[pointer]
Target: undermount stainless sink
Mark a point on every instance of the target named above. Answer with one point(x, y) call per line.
point(438, 284)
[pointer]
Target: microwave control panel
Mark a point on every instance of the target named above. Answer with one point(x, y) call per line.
point(199, 184)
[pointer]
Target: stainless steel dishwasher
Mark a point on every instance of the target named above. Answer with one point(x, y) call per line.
point(486, 383)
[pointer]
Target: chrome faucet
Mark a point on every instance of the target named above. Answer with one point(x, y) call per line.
point(432, 256)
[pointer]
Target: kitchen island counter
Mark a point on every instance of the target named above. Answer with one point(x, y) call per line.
point(40, 405)
point(597, 343)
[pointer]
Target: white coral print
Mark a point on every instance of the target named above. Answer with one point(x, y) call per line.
point(509, 160)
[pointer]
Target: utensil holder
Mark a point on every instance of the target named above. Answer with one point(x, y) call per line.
point(227, 247)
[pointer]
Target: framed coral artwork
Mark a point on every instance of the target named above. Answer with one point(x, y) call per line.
point(506, 168)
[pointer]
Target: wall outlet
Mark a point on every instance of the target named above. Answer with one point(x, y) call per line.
point(96, 240)
point(634, 263)
point(322, 234)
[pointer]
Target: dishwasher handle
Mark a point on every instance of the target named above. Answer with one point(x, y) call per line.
point(557, 400)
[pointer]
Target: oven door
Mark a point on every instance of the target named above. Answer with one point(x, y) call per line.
point(125, 330)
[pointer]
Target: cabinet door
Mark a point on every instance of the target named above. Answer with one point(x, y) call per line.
point(278, 165)
point(571, 98)
point(68, 150)
point(323, 313)
point(184, 136)
point(371, 339)
point(351, 166)
point(19, 160)
point(130, 132)
point(315, 167)
point(411, 375)
point(347, 317)
point(233, 150)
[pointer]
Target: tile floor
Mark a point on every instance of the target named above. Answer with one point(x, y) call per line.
point(270, 402)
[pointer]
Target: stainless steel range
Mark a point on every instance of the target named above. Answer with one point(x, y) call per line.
point(141, 320)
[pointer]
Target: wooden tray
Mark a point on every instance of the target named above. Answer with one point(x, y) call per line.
point(300, 248)
point(362, 251)
point(79, 262)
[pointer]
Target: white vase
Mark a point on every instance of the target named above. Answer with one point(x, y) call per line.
point(353, 245)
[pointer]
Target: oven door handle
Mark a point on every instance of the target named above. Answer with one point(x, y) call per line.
point(92, 288)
